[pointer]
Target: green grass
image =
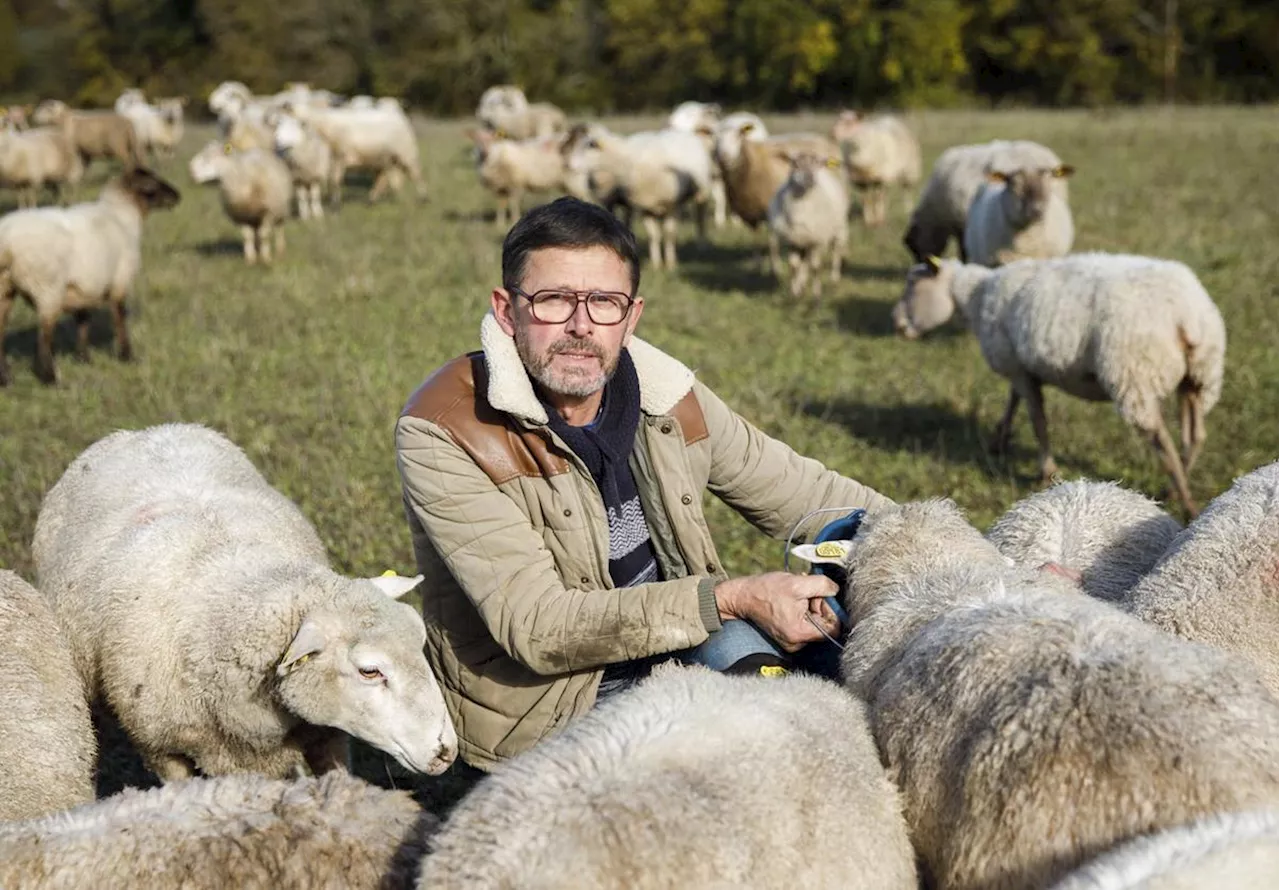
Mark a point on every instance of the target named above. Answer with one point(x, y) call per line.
point(306, 364)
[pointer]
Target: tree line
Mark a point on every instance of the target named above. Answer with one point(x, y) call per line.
point(597, 56)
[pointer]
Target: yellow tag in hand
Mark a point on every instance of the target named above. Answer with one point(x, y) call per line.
point(829, 549)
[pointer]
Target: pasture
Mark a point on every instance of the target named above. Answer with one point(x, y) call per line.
point(305, 364)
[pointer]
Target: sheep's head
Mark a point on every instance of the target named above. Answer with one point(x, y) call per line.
point(846, 125)
point(50, 112)
point(806, 167)
point(208, 163)
point(289, 133)
point(926, 301)
point(148, 190)
point(1027, 191)
point(356, 664)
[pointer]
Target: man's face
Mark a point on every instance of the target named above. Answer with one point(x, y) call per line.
point(576, 357)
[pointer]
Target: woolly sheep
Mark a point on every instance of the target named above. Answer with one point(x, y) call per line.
point(959, 172)
point(33, 158)
point(879, 151)
point(1019, 215)
point(247, 832)
point(159, 126)
point(238, 649)
point(691, 779)
point(1236, 850)
point(1103, 327)
point(1030, 727)
point(809, 215)
point(379, 139)
point(47, 749)
point(1217, 581)
point(256, 188)
point(1109, 535)
point(95, 134)
point(509, 168)
point(703, 118)
point(507, 111)
point(310, 161)
point(75, 259)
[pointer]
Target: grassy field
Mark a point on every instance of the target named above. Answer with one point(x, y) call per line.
point(306, 364)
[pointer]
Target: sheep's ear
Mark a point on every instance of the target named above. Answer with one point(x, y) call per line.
point(395, 586)
point(934, 263)
point(1063, 170)
point(308, 641)
point(746, 128)
point(704, 130)
point(997, 176)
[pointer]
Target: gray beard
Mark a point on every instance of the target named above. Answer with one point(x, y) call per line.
point(577, 387)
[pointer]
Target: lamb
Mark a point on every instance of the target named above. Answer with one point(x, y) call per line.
point(509, 168)
point(505, 110)
point(959, 172)
point(310, 161)
point(691, 779)
point(256, 188)
point(238, 649)
point(379, 138)
point(1019, 215)
point(47, 749)
point(1216, 583)
point(95, 134)
point(245, 831)
point(1108, 535)
point(75, 259)
point(33, 158)
point(879, 152)
point(1030, 727)
point(1236, 850)
point(810, 216)
point(1103, 327)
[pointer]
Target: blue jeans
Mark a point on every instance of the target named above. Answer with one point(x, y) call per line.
point(736, 639)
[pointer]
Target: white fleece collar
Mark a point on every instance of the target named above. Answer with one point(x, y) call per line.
point(663, 380)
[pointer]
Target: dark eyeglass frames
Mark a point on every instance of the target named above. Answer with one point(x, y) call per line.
point(557, 306)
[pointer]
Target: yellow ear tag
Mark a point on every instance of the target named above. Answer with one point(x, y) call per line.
point(389, 573)
point(833, 163)
point(830, 549)
point(773, 670)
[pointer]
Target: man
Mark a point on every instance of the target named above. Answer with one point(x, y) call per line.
point(553, 486)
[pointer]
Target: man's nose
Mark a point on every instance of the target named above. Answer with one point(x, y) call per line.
point(580, 322)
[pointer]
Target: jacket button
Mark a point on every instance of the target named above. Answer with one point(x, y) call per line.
point(585, 580)
point(686, 499)
point(568, 512)
point(711, 568)
point(666, 429)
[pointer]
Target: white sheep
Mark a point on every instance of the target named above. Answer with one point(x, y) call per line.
point(47, 748)
point(809, 216)
point(879, 151)
point(248, 832)
point(959, 172)
point(509, 168)
point(1029, 726)
point(238, 648)
point(1110, 536)
point(506, 110)
point(159, 126)
point(256, 190)
point(33, 158)
point(1217, 581)
point(703, 118)
point(1236, 850)
point(379, 139)
point(310, 160)
point(1019, 215)
point(1103, 327)
point(691, 779)
point(75, 259)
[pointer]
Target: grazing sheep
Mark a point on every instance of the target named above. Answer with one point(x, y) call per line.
point(959, 172)
point(1030, 728)
point(47, 749)
point(509, 168)
point(95, 134)
point(1109, 535)
point(33, 158)
point(1019, 215)
point(75, 259)
point(1103, 327)
point(238, 649)
point(310, 161)
point(379, 138)
point(248, 832)
point(1236, 850)
point(1217, 582)
point(692, 779)
point(879, 152)
point(505, 110)
point(256, 189)
point(809, 215)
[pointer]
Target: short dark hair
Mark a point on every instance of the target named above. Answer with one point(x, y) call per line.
point(567, 223)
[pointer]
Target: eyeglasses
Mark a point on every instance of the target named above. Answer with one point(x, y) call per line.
point(558, 306)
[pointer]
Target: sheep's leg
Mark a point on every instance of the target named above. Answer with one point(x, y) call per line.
point(837, 257)
point(1163, 443)
point(654, 230)
point(250, 244)
point(700, 220)
point(775, 259)
point(124, 348)
point(6, 305)
point(1035, 407)
point(1193, 432)
point(82, 335)
point(669, 226)
point(1004, 429)
point(44, 367)
point(170, 767)
point(814, 273)
point(336, 177)
point(317, 205)
point(799, 268)
point(304, 205)
point(720, 203)
point(279, 229)
point(264, 241)
point(381, 183)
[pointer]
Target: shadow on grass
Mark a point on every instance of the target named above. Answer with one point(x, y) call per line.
point(220, 247)
point(21, 344)
point(856, 272)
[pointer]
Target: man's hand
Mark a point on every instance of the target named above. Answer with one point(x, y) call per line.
point(778, 603)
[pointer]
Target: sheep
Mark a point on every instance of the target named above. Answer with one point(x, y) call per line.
point(95, 134)
point(1109, 536)
point(654, 172)
point(809, 215)
point(879, 152)
point(1103, 327)
point(17, 117)
point(36, 157)
point(245, 831)
point(75, 259)
point(159, 126)
point(1019, 215)
point(1216, 582)
point(505, 110)
point(247, 134)
point(1030, 727)
point(239, 649)
point(310, 161)
point(1236, 850)
point(703, 118)
point(256, 189)
point(691, 779)
point(509, 168)
point(959, 172)
point(232, 101)
point(47, 748)
point(379, 138)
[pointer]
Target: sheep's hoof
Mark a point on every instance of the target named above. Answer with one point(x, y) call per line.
point(1048, 472)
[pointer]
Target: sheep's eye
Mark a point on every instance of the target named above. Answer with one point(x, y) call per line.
point(371, 673)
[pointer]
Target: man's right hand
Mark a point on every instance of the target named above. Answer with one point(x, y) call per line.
point(778, 603)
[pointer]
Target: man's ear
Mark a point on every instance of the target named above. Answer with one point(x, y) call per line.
point(633, 319)
point(503, 310)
